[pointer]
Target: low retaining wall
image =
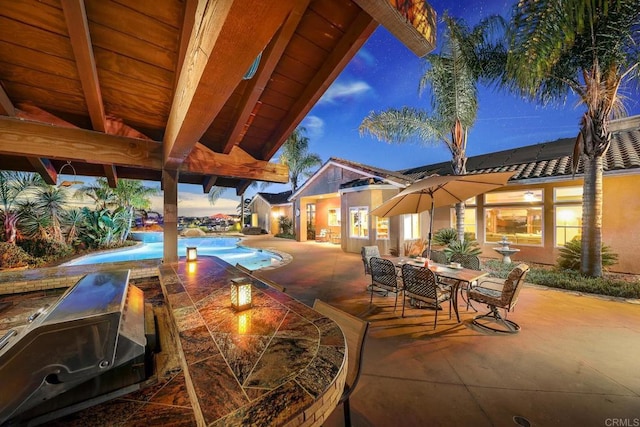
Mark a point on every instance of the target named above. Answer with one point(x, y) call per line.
point(40, 279)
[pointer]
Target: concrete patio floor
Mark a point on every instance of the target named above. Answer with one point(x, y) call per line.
point(575, 362)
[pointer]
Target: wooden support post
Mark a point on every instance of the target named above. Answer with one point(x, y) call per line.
point(170, 187)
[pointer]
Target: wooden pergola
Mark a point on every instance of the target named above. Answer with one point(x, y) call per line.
point(177, 91)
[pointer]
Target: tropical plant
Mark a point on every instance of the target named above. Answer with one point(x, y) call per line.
point(284, 223)
point(452, 75)
point(445, 236)
point(464, 247)
point(295, 154)
point(98, 228)
point(72, 221)
point(570, 257)
point(128, 195)
point(589, 48)
point(13, 185)
point(50, 205)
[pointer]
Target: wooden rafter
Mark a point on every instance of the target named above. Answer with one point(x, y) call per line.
point(351, 42)
point(78, 27)
point(226, 38)
point(6, 106)
point(24, 138)
point(242, 187)
point(188, 21)
point(257, 84)
point(208, 182)
point(237, 164)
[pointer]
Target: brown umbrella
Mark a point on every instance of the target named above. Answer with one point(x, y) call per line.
point(440, 190)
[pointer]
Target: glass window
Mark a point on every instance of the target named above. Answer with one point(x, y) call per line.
point(411, 226)
point(567, 194)
point(568, 221)
point(520, 225)
point(523, 196)
point(334, 217)
point(382, 228)
point(359, 222)
point(311, 215)
point(469, 221)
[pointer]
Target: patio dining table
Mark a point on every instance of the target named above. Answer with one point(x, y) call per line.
point(457, 276)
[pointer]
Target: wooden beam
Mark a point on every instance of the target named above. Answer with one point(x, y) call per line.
point(242, 187)
point(111, 174)
point(45, 168)
point(78, 27)
point(226, 38)
point(237, 164)
point(31, 139)
point(357, 34)
point(188, 21)
point(6, 106)
point(24, 138)
point(270, 59)
point(208, 182)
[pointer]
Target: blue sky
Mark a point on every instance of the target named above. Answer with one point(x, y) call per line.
point(384, 74)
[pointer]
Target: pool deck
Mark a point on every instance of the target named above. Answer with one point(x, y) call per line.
point(573, 363)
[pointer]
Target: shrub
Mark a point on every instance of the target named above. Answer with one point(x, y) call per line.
point(12, 256)
point(569, 280)
point(285, 224)
point(466, 247)
point(444, 236)
point(45, 248)
point(571, 256)
point(286, 236)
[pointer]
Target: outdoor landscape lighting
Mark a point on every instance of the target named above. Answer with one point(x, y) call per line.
point(192, 253)
point(240, 294)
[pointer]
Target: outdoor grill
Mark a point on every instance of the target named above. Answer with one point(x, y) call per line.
point(86, 346)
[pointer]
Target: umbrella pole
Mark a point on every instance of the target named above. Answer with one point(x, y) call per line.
point(430, 229)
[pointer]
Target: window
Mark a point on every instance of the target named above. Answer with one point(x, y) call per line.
point(521, 225)
point(469, 221)
point(311, 215)
point(334, 217)
point(411, 226)
point(382, 228)
point(359, 222)
point(519, 219)
point(568, 214)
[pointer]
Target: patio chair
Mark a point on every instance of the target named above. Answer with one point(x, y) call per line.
point(323, 235)
point(471, 262)
point(384, 278)
point(498, 294)
point(355, 333)
point(367, 252)
point(439, 257)
point(421, 284)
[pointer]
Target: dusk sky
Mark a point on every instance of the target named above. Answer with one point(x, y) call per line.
point(386, 74)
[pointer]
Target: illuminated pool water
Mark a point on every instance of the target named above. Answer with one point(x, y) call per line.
point(226, 248)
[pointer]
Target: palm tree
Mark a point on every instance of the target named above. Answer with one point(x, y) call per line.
point(453, 76)
point(13, 185)
point(295, 154)
point(586, 47)
point(43, 216)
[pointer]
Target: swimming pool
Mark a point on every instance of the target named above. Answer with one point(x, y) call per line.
point(226, 248)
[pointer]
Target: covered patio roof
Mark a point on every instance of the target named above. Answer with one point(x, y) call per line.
point(127, 89)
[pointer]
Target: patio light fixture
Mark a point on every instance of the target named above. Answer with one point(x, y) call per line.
point(192, 253)
point(240, 294)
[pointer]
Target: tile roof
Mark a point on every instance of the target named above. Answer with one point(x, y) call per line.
point(276, 198)
point(548, 159)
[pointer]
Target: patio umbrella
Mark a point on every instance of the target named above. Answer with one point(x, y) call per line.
point(439, 190)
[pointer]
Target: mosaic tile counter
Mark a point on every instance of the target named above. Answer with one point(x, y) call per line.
point(276, 363)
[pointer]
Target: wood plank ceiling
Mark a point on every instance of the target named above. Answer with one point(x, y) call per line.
point(123, 88)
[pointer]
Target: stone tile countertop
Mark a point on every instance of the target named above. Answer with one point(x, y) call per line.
point(277, 363)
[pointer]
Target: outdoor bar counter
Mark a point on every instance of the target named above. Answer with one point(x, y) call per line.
point(277, 363)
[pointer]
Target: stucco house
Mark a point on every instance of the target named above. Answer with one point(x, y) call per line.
point(267, 208)
point(538, 210)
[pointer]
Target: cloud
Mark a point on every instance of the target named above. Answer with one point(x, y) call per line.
point(197, 205)
point(338, 91)
point(314, 125)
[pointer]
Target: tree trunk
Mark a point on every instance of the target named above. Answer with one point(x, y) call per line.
point(10, 232)
point(591, 263)
point(460, 208)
